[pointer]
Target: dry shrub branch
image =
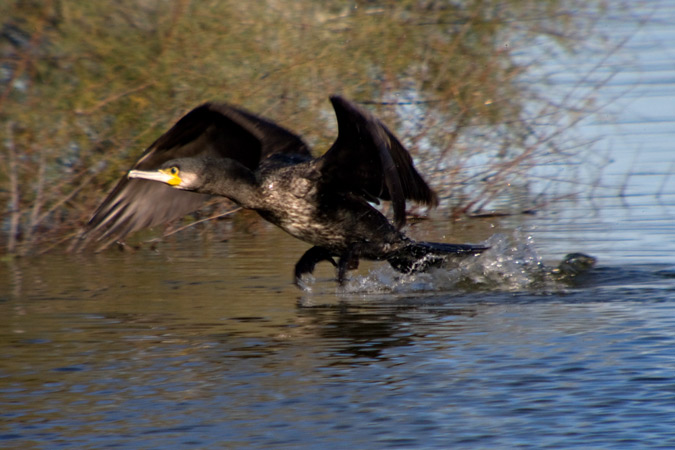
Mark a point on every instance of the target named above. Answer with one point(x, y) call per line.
point(86, 86)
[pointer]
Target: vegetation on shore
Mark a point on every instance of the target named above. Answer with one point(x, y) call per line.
point(86, 86)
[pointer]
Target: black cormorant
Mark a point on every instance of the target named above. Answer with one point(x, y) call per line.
point(218, 149)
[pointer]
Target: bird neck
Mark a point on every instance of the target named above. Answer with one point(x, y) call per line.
point(231, 179)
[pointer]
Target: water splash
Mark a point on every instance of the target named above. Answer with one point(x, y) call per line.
point(511, 264)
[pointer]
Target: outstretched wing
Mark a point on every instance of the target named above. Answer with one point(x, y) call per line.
point(367, 159)
point(213, 130)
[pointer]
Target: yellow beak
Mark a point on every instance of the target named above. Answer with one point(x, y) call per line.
point(163, 175)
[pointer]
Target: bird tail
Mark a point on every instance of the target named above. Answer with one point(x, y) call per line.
point(421, 256)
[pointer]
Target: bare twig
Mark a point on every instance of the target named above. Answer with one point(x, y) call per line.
point(13, 169)
point(113, 98)
point(665, 179)
point(57, 242)
point(185, 227)
point(39, 197)
point(67, 198)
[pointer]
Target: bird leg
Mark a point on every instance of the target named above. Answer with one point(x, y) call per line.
point(308, 261)
point(349, 260)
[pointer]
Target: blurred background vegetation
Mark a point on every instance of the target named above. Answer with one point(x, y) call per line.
point(86, 86)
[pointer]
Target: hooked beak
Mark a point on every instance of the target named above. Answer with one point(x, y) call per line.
point(162, 175)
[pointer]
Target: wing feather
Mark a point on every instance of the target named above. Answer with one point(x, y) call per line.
point(215, 130)
point(369, 160)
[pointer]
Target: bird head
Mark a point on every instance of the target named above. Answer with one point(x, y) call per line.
point(177, 173)
point(213, 176)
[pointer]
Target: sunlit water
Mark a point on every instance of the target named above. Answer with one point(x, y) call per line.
point(207, 344)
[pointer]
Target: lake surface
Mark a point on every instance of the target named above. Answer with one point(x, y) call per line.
point(205, 343)
point(186, 348)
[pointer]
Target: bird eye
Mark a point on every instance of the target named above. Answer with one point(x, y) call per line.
point(173, 170)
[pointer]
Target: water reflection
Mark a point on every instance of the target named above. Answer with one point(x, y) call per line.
point(362, 333)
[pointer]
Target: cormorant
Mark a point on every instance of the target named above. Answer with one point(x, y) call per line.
point(218, 149)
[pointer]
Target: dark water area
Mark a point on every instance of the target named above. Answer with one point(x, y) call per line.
point(204, 343)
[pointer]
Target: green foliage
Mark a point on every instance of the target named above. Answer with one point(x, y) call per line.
point(85, 86)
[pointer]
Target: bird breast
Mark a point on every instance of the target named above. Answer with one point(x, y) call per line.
point(291, 203)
